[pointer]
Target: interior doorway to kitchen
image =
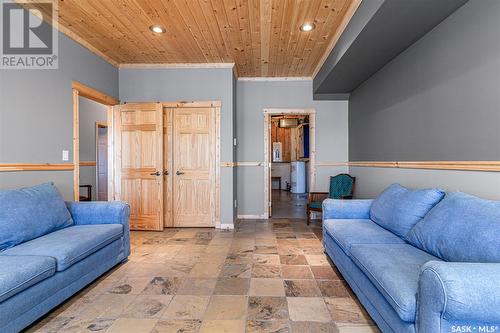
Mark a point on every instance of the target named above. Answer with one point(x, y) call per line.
point(290, 161)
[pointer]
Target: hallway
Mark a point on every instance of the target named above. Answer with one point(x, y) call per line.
point(288, 205)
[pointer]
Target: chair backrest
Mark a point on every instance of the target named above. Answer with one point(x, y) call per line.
point(341, 186)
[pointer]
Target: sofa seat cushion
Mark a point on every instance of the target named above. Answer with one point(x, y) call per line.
point(394, 270)
point(70, 245)
point(347, 232)
point(18, 273)
point(398, 209)
point(31, 212)
point(460, 228)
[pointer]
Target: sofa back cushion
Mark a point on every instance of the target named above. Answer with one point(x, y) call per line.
point(31, 212)
point(460, 228)
point(398, 209)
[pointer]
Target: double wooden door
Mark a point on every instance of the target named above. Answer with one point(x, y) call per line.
point(165, 164)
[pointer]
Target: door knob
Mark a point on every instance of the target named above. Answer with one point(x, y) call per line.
point(157, 173)
point(165, 173)
point(178, 173)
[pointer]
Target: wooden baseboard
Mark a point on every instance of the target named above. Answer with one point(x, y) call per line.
point(12, 167)
point(252, 217)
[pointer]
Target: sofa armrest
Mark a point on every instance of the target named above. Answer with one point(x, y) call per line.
point(453, 294)
point(346, 209)
point(103, 212)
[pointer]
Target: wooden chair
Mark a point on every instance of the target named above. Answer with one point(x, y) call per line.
point(87, 197)
point(341, 187)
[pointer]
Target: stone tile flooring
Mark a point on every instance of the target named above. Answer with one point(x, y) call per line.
point(266, 276)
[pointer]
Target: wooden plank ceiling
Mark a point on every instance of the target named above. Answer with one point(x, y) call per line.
point(262, 37)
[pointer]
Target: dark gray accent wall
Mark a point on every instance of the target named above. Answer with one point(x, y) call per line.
point(378, 32)
point(36, 113)
point(439, 99)
point(191, 84)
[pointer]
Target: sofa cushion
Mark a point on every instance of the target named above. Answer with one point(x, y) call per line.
point(18, 273)
point(71, 244)
point(29, 213)
point(348, 232)
point(398, 209)
point(394, 270)
point(460, 228)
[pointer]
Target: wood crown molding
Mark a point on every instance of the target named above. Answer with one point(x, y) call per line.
point(10, 167)
point(93, 94)
point(275, 78)
point(492, 166)
point(178, 65)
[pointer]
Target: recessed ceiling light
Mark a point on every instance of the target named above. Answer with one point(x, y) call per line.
point(157, 29)
point(307, 27)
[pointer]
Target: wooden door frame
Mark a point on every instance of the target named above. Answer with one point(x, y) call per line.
point(99, 124)
point(268, 113)
point(81, 90)
point(216, 106)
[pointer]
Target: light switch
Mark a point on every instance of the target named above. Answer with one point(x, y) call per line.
point(65, 155)
point(234, 142)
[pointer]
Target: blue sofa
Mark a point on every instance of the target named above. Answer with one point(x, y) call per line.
point(49, 250)
point(419, 261)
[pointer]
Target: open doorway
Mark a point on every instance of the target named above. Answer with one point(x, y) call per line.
point(93, 132)
point(101, 154)
point(92, 144)
point(290, 157)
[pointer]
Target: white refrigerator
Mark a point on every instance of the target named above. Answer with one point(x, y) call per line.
point(298, 177)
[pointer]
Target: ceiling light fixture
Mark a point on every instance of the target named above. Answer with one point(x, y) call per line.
point(306, 27)
point(157, 29)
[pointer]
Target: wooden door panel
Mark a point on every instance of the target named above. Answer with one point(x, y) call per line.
point(139, 155)
point(194, 151)
point(168, 167)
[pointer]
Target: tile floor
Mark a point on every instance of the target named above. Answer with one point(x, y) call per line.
point(266, 276)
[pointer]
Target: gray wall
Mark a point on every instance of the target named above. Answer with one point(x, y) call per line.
point(253, 98)
point(438, 100)
point(90, 113)
point(36, 113)
point(190, 84)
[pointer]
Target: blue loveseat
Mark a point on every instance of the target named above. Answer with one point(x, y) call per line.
point(49, 250)
point(419, 261)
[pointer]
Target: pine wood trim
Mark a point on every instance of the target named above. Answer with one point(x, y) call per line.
point(93, 94)
point(330, 164)
point(241, 164)
point(76, 145)
point(178, 65)
point(88, 163)
point(10, 167)
point(489, 166)
point(275, 78)
point(353, 6)
point(192, 104)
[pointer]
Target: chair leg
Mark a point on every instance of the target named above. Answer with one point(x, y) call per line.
point(308, 217)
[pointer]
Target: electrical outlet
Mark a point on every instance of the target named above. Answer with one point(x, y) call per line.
point(65, 155)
